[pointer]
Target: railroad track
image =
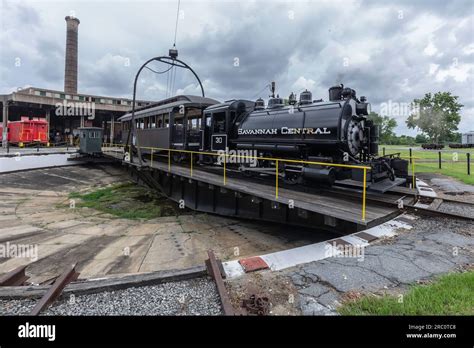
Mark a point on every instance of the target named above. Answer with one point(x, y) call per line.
point(215, 270)
point(17, 277)
point(253, 305)
point(408, 203)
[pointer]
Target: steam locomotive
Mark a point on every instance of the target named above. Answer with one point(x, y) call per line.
point(324, 133)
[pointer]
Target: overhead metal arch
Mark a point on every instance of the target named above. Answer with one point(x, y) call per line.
point(173, 61)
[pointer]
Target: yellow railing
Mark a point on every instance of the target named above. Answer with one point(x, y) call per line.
point(276, 160)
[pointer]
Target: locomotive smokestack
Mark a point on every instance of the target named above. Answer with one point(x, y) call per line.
point(70, 72)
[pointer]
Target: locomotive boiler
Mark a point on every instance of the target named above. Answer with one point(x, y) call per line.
point(323, 133)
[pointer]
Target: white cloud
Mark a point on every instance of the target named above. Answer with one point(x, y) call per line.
point(433, 68)
point(469, 49)
point(459, 73)
point(303, 83)
point(430, 49)
point(388, 57)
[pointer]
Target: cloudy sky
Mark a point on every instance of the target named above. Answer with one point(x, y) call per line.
point(391, 52)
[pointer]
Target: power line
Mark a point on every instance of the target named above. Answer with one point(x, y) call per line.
point(176, 26)
point(167, 83)
point(174, 79)
point(256, 94)
point(158, 72)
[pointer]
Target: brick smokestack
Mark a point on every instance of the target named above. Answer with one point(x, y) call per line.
point(70, 74)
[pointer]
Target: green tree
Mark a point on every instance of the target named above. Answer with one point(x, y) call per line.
point(455, 137)
point(421, 139)
point(436, 115)
point(386, 125)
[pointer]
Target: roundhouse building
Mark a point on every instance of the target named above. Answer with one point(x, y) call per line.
point(68, 109)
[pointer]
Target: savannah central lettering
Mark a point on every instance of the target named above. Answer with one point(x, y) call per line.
point(283, 131)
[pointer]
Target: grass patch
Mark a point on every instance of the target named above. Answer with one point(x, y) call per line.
point(451, 294)
point(128, 201)
point(427, 161)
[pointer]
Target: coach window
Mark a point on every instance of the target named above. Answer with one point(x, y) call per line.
point(219, 122)
point(167, 121)
point(160, 121)
point(194, 123)
point(153, 121)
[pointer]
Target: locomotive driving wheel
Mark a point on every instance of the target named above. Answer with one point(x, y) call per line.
point(292, 178)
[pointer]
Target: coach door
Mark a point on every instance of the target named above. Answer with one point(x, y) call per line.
point(178, 130)
point(193, 129)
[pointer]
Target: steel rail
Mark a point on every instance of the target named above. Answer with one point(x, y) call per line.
point(432, 212)
point(406, 207)
point(14, 277)
point(55, 290)
point(214, 271)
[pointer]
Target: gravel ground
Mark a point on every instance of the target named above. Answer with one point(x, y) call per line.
point(190, 297)
point(457, 208)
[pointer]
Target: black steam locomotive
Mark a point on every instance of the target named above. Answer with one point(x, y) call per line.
point(336, 131)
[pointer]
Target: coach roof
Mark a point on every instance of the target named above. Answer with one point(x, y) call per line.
point(167, 105)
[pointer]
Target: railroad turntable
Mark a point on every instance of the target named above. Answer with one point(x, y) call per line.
point(304, 162)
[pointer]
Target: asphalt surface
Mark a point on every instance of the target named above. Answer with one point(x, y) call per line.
point(432, 247)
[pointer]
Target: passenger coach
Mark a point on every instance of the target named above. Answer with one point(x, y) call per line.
point(152, 123)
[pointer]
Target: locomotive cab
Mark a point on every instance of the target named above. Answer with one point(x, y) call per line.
point(220, 122)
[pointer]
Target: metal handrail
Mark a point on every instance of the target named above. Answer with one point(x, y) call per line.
point(277, 160)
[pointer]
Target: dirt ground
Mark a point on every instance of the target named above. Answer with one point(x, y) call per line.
point(279, 289)
point(35, 213)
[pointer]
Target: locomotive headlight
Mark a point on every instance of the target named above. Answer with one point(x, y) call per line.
point(363, 108)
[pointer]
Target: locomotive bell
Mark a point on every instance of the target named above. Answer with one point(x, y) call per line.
point(306, 97)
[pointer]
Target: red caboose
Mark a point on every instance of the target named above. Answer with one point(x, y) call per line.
point(27, 131)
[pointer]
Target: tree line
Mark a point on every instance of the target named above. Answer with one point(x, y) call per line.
point(435, 116)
